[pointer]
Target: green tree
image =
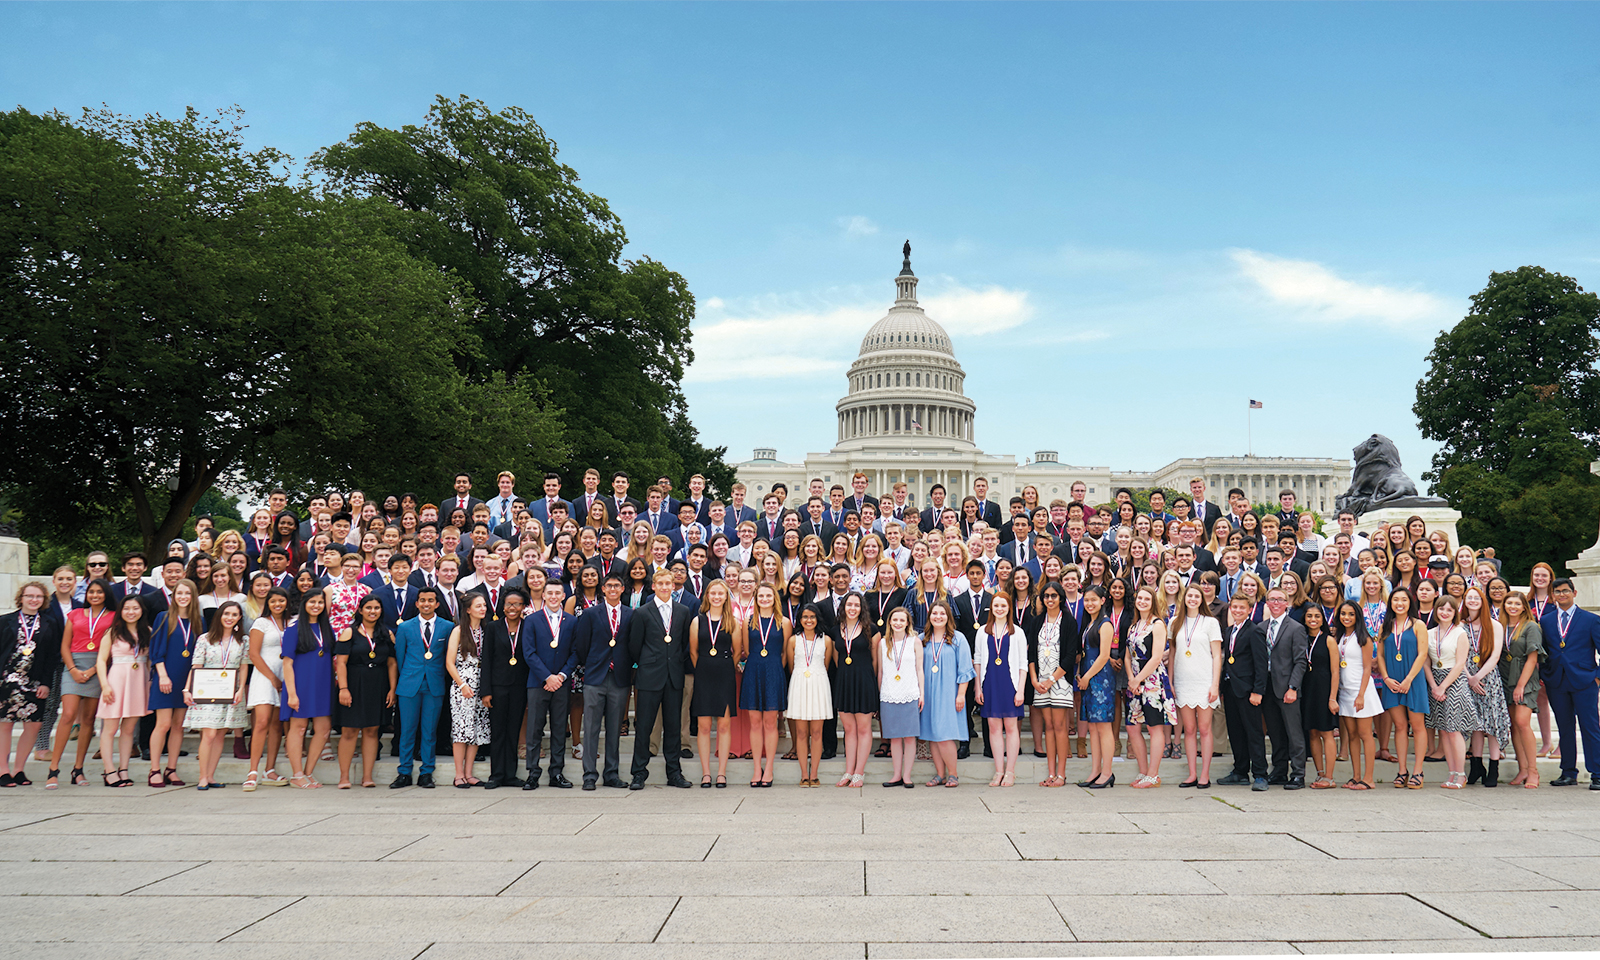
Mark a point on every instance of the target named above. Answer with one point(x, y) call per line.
point(175, 310)
point(483, 195)
point(1513, 397)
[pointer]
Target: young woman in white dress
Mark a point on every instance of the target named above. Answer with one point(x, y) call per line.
point(808, 654)
point(1356, 699)
point(266, 685)
point(1196, 679)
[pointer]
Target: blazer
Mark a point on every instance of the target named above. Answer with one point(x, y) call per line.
point(665, 522)
point(930, 517)
point(578, 507)
point(497, 610)
point(119, 592)
point(421, 675)
point(827, 621)
point(737, 516)
point(1287, 662)
point(46, 645)
point(549, 654)
point(970, 615)
point(393, 613)
point(598, 650)
point(614, 506)
point(1071, 643)
point(1208, 514)
point(989, 512)
point(449, 603)
point(496, 518)
point(772, 530)
point(1009, 550)
point(661, 654)
point(1239, 664)
point(820, 528)
point(450, 503)
point(875, 607)
point(502, 662)
point(1570, 664)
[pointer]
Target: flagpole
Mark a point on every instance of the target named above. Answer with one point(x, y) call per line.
point(1249, 430)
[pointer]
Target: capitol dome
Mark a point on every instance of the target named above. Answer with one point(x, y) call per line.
point(905, 387)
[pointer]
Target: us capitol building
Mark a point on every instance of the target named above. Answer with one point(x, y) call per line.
point(906, 417)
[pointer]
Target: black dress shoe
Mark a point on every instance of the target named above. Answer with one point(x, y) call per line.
point(588, 784)
point(403, 780)
point(615, 782)
point(830, 756)
point(963, 751)
point(492, 784)
point(679, 782)
point(560, 782)
point(1233, 780)
point(1278, 779)
point(1295, 783)
point(637, 784)
point(1594, 783)
point(1563, 781)
point(425, 781)
point(685, 754)
point(512, 782)
point(530, 784)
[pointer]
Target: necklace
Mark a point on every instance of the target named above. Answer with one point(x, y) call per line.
point(764, 629)
point(898, 652)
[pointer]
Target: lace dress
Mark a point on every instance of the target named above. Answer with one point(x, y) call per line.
point(469, 719)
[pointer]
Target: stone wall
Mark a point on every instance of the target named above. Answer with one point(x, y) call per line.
point(13, 570)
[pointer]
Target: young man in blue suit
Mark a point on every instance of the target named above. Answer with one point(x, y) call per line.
point(552, 658)
point(398, 597)
point(420, 645)
point(601, 641)
point(1572, 637)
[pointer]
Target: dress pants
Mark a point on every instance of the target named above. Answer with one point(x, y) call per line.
point(685, 722)
point(606, 699)
point(506, 707)
point(419, 715)
point(553, 706)
point(669, 701)
point(1577, 708)
point(1288, 736)
point(1244, 734)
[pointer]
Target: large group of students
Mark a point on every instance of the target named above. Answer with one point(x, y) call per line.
point(1184, 632)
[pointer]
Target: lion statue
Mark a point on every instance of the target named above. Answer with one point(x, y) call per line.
point(1376, 477)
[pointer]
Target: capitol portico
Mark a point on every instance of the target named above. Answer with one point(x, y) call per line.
point(906, 417)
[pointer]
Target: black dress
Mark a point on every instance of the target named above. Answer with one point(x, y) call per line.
point(1317, 687)
point(714, 688)
point(855, 684)
point(875, 608)
point(367, 672)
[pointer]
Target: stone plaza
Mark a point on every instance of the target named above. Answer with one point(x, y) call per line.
point(383, 874)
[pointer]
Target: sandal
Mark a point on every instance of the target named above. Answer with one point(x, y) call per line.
point(272, 778)
point(935, 782)
point(250, 780)
point(1414, 782)
point(844, 781)
point(722, 782)
point(1351, 783)
point(952, 781)
point(1009, 780)
point(882, 751)
point(1400, 780)
point(995, 780)
point(50, 780)
point(461, 783)
point(122, 777)
point(300, 782)
point(1323, 783)
point(705, 782)
point(858, 780)
point(791, 755)
point(110, 781)
point(78, 779)
point(155, 779)
point(171, 775)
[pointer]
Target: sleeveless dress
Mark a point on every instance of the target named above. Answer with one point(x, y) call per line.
point(810, 693)
point(469, 718)
point(127, 676)
point(999, 684)
point(855, 686)
point(261, 689)
point(366, 670)
point(1317, 688)
point(1494, 717)
point(898, 715)
point(1350, 653)
point(1398, 654)
point(313, 675)
point(1097, 704)
point(764, 689)
point(1150, 704)
point(715, 692)
point(19, 700)
point(229, 654)
point(1455, 712)
point(174, 647)
point(1193, 666)
point(1049, 642)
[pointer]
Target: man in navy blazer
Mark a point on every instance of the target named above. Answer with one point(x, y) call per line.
point(1572, 640)
point(462, 498)
point(657, 512)
point(541, 507)
point(547, 643)
point(658, 641)
point(601, 641)
point(420, 645)
point(398, 597)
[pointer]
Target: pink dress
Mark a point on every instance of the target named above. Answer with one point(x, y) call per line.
point(343, 605)
point(127, 676)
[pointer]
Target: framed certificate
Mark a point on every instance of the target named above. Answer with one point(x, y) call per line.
point(213, 684)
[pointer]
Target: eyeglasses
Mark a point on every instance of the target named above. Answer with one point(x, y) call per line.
point(99, 564)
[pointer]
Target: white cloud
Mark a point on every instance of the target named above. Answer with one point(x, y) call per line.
point(1324, 295)
point(778, 341)
point(858, 226)
point(715, 303)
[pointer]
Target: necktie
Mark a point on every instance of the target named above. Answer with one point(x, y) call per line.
point(494, 598)
point(666, 616)
point(697, 584)
point(614, 618)
point(399, 598)
point(427, 631)
point(1272, 635)
point(1566, 620)
point(1022, 554)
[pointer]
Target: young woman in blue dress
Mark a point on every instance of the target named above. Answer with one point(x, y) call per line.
point(1097, 689)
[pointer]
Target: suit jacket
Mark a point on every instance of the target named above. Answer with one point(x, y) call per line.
point(614, 506)
point(886, 509)
point(827, 620)
point(545, 658)
point(497, 610)
point(1571, 661)
point(989, 512)
point(579, 507)
point(419, 580)
point(598, 650)
point(1068, 554)
point(1239, 665)
point(421, 675)
point(1286, 662)
point(772, 530)
point(449, 503)
point(930, 517)
point(853, 504)
point(1208, 514)
point(661, 654)
point(822, 528)
point(971, 617)
point(393, 613)
point(665, 522)
point(702, 510)
point(1009, 550)
point(449, 604)
point(46, 649)
point(496, 658)
point(540, 509)
point(154, 605)
point(615, 566)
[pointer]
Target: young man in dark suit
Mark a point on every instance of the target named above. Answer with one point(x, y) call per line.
point(658, 642)
point(1241, 710)
point(1285, 643)
point(398, 597)
point(601, 641)
point(1572, 637)
point(462, 499)
point(547, 642)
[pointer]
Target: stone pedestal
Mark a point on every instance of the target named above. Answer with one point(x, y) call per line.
point(1585, 569)
point(13, 570)
point(1437, 518)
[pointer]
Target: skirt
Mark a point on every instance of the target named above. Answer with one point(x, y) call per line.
point(83, 660)
point(899, 720)
point(1455, 713)
point(1494, 717)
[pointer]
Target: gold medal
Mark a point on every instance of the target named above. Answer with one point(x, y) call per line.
point(880, 621)
point(552, 644)
point(91, 646)
point(133, 666)
point(1230, 659)
point(997, 661)
point(1563, 646)
point(613, 643)
point(428, 655)
point(1397, 656)
point(713, 651)
point(1188, 653)
point(935, 669)
point(808, 674)
point(319, 653)
point(763, 653)
point(897, 677)
point(847, 660)
point(185, 653)
point(1344, 663)
point(513, 661)
point(372, 654)
point(666, 639)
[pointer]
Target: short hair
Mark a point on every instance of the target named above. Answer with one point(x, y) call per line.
point(438, 595)
point(1560, 582)
point(1286, 492)
point(399, 558)
point(1235, 490)
point(505, 474)
point(846, 568)
point(938, 486)
point(135, 555)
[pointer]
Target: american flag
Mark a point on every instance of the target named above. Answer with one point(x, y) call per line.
point(1255, 404)
point(915, 425)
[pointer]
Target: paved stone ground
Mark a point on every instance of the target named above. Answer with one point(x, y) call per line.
point(88, 872)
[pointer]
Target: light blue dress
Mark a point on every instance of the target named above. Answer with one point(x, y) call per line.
point(945, 666)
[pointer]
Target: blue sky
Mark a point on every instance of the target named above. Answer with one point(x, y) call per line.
point(1132, 218)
